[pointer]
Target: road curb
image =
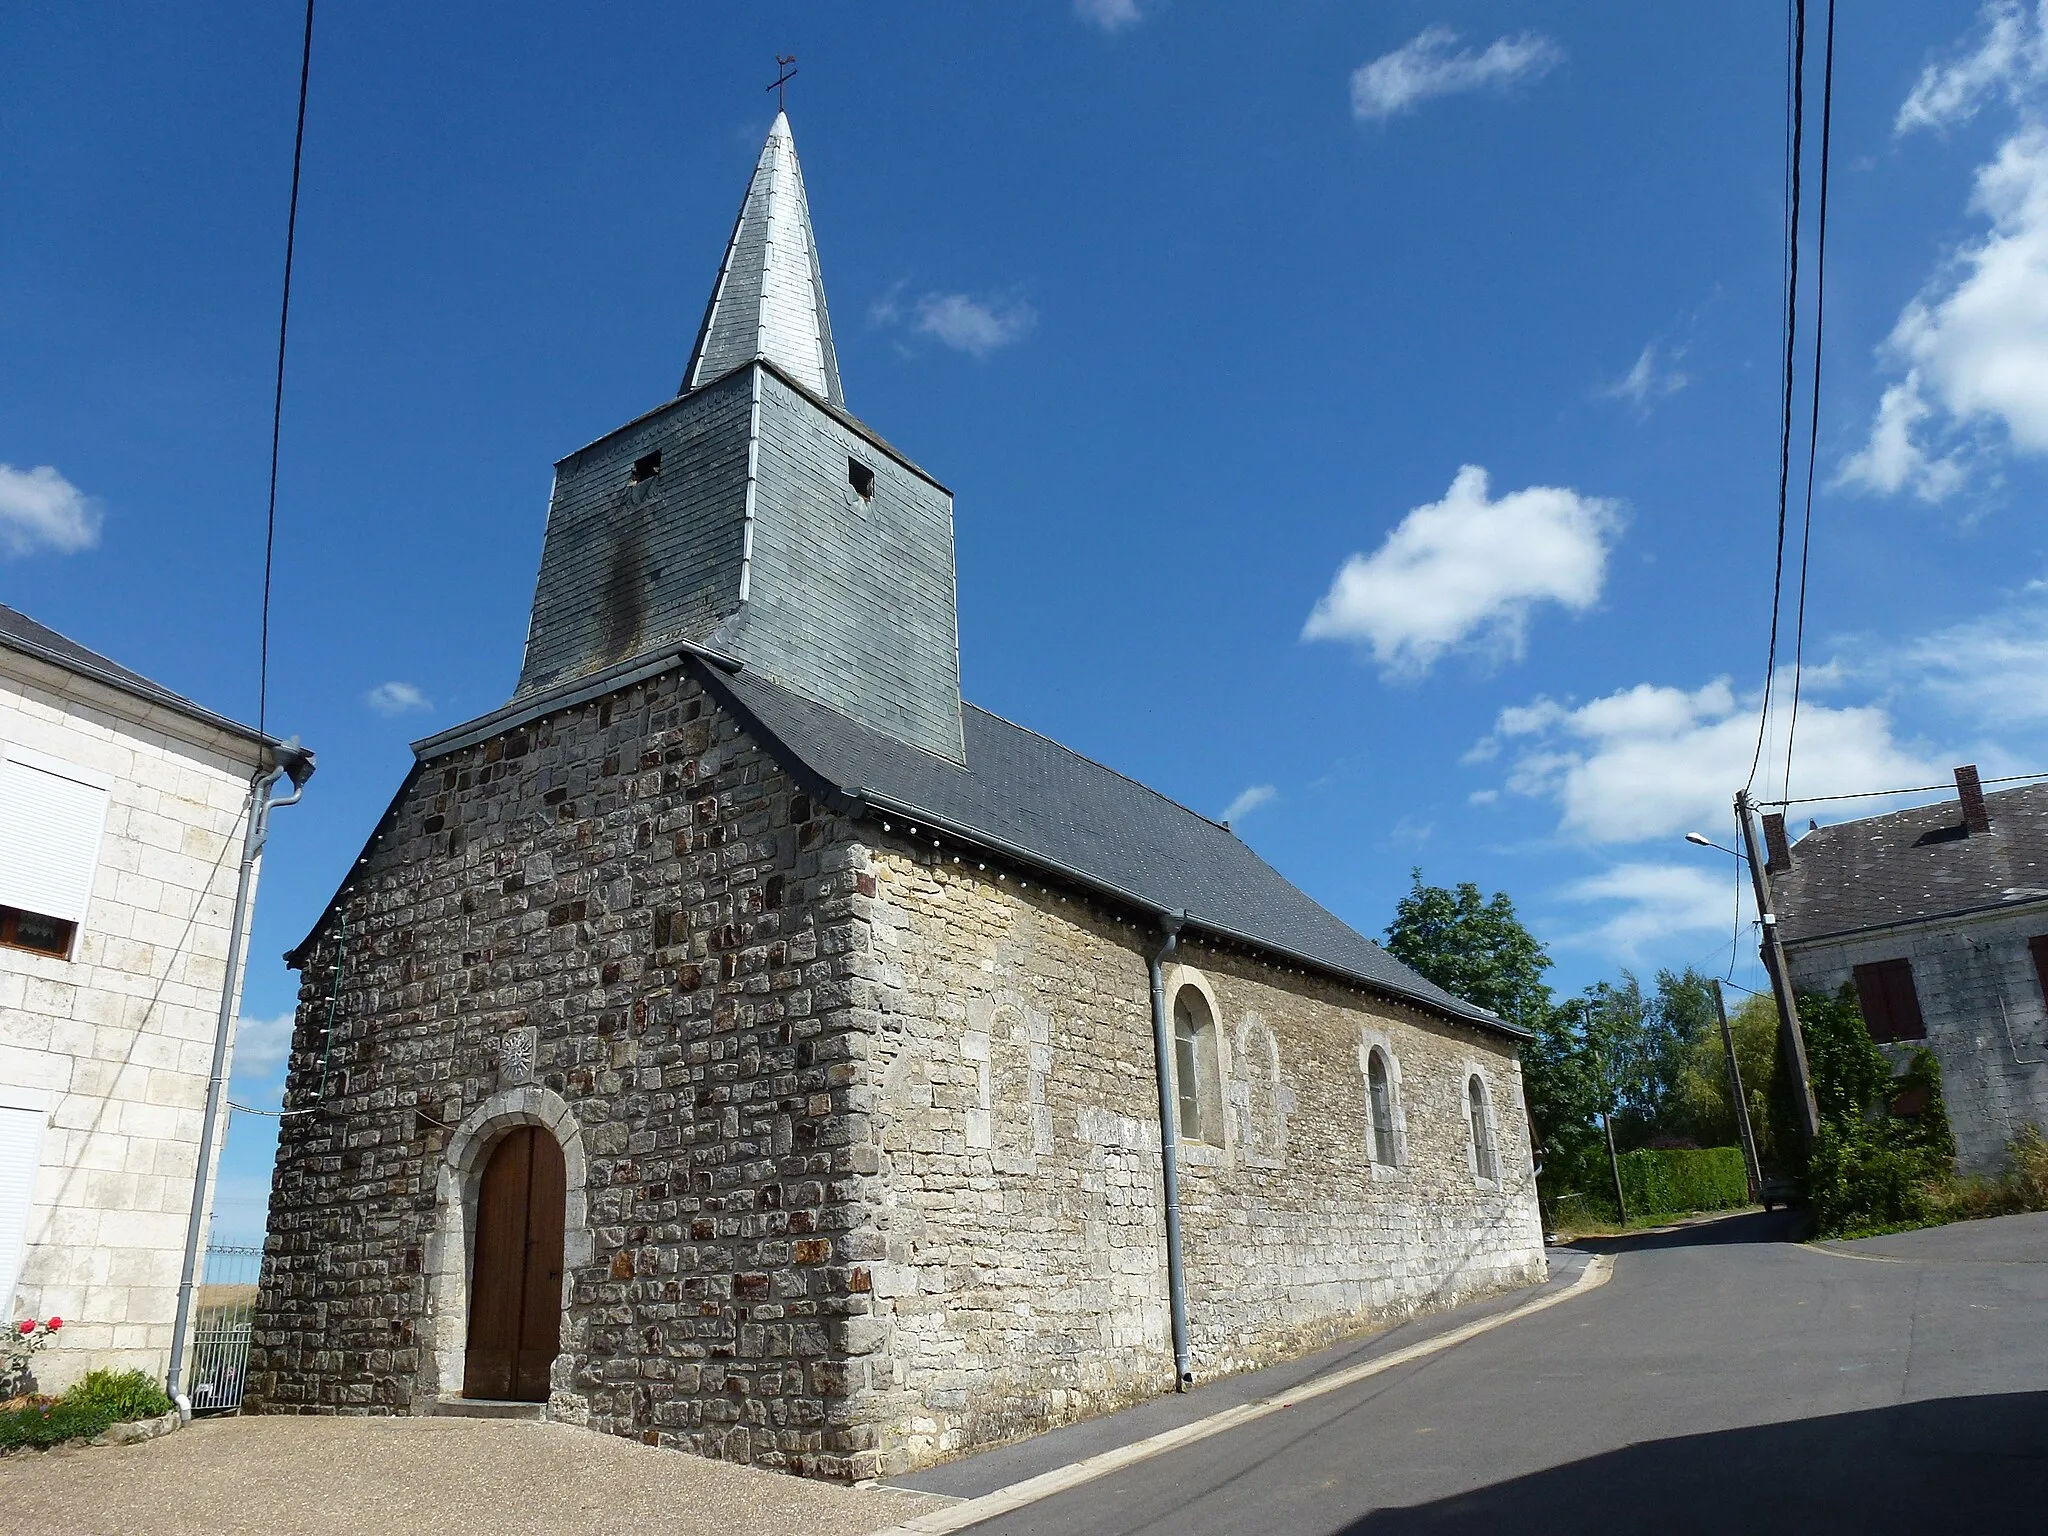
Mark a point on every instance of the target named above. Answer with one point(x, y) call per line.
point(958, 1517)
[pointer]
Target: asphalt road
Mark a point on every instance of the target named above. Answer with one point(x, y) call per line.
point(1722, 1380)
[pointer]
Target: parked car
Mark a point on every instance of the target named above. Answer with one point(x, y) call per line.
point(1778, 1192)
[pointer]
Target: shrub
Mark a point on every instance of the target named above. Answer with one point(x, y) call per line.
point(1866, 1177)
point(1668, 1182)
point(124, 1395)
point(99, 1400)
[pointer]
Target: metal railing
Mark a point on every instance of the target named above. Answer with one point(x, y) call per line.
point(221, 1323)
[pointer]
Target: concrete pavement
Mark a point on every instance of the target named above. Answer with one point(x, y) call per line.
point(1723, 1380)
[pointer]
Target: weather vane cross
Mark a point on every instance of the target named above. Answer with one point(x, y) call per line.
point(783, 75)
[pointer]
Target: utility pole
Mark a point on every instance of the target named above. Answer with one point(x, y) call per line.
point(1793, 1039)
point(1735, 1097)
point(1607, 1125)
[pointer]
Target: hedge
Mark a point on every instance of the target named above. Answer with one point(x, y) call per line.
point(1693, 1179)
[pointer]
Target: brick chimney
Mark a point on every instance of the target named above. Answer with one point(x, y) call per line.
point(1976, 818)
point(1777, 850)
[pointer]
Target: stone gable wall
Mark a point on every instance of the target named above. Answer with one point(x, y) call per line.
point(1024, 1279)
point(1987, 1021)
point(629, 912)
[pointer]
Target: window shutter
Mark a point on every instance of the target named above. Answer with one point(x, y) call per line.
point(1891, 1004)
point(51, 818)
point(1905, 1000)
point(21, 1136)
point(1877, 1014)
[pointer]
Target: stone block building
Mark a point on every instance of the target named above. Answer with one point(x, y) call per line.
point(122, 807)
point(745, 1045)
point(1938, 916)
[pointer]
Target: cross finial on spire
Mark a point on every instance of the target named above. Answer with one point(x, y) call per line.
point(783, 75)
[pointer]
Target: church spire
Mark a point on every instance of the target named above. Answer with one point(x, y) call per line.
point(770, 299)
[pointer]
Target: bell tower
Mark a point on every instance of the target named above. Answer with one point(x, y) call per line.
point(753, 515)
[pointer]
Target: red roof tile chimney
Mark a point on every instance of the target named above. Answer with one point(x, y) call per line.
point(1777, 851)
point(1976, 818)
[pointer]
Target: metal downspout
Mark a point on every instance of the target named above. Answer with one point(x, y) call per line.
point(260, 807)
point(1169, 1151)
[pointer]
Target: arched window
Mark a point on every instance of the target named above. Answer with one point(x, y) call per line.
point(1380, 1106)
point(1484, 1163)
point(1199, 1105)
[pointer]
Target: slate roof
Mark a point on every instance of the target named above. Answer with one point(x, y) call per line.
point(1025, 795)
point(1914, 865)
point(19, 632)
point(769, 300)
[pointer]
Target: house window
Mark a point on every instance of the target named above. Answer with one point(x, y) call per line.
point(646, 467)
point(1379, 1094)
point(51, 818)
point(861, 478)
point(1891, 1006)
point(22, 1116)
point(1198, 1099)
point(32, 930)
point(1484, 1163)
point(2038, 948)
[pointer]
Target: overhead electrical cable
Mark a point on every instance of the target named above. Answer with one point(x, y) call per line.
point(1910, 789)
point(284, 315)
point(1798, 67)
point(1820, 294)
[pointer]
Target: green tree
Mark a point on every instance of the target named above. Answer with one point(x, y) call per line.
point(1473, 947)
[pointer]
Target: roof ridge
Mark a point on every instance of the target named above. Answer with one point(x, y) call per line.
point(1114, 772)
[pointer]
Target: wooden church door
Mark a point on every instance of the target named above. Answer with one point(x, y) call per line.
point(515, 1284)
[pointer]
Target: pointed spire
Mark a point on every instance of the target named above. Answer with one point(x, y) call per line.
point(770, 299)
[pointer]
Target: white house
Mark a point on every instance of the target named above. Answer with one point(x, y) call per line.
point(122, 814)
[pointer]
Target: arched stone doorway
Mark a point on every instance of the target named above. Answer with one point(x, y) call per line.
point(515, 1286)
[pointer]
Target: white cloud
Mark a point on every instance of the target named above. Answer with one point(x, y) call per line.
point(40, 509)
point(396, 698)
point(1110, 15)
point(261, 1045)
point(974, 326)
point(1249, 800)
point(1971, 349)
point(1467, 571)
point(1656, 762)
point(2011, 58)
point(1653, 378)
point(1430, 64)
point(1657, 902)
point(1987, 670)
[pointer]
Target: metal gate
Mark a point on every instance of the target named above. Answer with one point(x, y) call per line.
point(222, 1315)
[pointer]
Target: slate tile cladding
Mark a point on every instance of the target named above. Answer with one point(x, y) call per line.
point(678, 922)
point(626, 564)
point(850, 598)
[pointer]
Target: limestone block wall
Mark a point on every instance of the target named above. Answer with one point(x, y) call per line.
point(1024, 1279)
point(114, 1044)
point(625, 923)
point(1987, 1022)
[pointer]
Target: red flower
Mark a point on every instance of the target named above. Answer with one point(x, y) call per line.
point(28, 1325)
point(56, 1323)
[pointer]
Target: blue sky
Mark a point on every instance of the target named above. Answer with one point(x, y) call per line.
point(1362, 416)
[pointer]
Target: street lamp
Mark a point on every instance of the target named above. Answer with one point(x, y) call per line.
point(1701, 840)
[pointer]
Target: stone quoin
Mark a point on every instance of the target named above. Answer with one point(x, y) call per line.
point(835, 994)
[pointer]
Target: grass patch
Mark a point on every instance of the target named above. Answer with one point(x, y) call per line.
point(90, 1407)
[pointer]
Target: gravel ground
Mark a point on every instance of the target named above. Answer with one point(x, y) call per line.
point(300, 1476)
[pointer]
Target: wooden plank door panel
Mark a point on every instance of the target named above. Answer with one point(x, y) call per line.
point(515, 1285)
point(540, 1322)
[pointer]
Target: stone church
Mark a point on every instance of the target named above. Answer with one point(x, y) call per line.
point(741, 1043)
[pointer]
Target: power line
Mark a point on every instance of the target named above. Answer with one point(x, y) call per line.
point(1791, 347)
point(1820, 295)
point(284, 315)
point(1911, 789)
